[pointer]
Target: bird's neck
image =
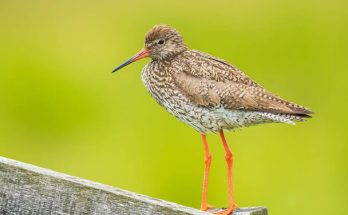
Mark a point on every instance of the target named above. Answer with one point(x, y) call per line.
point(167, 57)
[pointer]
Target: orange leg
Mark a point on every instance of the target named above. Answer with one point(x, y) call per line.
point(207, 160)
point(229, 160)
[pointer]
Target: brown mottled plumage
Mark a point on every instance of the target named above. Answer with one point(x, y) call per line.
point(207, 93)
point(203, 85)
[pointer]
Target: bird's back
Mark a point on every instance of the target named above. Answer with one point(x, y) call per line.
point(210, 81)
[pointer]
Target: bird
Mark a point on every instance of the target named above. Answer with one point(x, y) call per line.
point(209, 94)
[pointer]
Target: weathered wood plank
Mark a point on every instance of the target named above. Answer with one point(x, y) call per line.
point(27, 189)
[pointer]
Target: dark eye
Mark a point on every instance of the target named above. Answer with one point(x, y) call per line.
point(161, 41)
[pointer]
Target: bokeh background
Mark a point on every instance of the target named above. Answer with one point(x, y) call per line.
point(61, 108)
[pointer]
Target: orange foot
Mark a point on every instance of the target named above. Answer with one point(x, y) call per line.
point(206, 207)
point(228, 211)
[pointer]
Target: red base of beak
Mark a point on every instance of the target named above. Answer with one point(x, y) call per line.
point(140, 55)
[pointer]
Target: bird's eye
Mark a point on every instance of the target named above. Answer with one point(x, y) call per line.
point(161, 41)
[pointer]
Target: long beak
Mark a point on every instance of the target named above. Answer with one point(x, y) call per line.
point(141, 54)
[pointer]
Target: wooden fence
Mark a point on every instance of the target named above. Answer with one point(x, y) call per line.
point(27, 189)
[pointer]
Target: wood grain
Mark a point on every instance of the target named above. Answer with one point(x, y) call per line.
point(27, 189)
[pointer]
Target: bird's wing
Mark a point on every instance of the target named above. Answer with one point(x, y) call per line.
point(203, 65)
point(211, 82)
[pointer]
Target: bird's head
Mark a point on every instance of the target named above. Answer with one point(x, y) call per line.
point(161, 43)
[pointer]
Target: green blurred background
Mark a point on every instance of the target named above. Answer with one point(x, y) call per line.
point(61, 108)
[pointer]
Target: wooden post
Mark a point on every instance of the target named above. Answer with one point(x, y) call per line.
point(27, 189)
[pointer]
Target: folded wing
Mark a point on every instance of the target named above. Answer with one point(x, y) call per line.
point(212, 82)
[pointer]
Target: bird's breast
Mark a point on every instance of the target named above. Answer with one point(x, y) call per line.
point(162, 88)
point(159, 82)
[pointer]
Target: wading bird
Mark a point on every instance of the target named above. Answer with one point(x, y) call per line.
point(207, 93)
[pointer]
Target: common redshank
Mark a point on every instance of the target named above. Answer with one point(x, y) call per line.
point(209, 94)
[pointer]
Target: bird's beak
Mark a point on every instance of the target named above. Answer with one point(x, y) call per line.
point(141, 54)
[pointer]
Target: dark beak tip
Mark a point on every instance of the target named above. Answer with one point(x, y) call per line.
point(143, 53)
